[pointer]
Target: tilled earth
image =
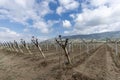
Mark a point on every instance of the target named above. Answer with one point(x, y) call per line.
point(97, 65)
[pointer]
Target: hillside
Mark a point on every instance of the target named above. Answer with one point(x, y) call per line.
point(98, 36)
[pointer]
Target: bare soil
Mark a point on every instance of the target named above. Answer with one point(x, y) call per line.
point(97, 65)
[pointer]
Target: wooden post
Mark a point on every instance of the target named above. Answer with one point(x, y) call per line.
point(6, 46)
point(47, 46)
point(63, 44)
point(16, 44)
point(116, 48)
point(72, 47)
point(25, 45)
point(9, 46)
point(12, 46)
point(1, 47)
point(35, 42)
point(87, 45)
point(80, 47)
point(41, 51)
point(67, 55)
point(69, 46)
point(94, 45)
point(56, 48)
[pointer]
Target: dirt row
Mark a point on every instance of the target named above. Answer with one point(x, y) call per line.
point(28, 67)
point(98, 65)
point(94, 67)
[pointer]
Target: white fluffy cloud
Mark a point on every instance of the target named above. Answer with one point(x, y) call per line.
point(60, 10)
point(42, 26)
point(23, 10)
point(98, 16)
point(45, 27)
point(66, 24)
point(8, 35)
point(66, 5)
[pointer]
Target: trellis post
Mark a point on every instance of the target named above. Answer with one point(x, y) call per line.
point(63, 44)
point(25, 45)
point(87, 45)
point(35, 42)
point(17, 45)
point(116, 48)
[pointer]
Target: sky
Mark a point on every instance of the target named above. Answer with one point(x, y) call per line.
point(46, 19)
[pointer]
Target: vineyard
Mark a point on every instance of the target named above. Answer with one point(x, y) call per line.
point(62, 59)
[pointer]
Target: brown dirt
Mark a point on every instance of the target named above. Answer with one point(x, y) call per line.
point(13, 67)
point(98, 65)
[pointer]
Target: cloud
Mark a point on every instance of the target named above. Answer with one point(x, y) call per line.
point(42, 26)
point(22, 10)
point(8, 35)
point(60, 10)
point(67, 5)
point(98, 2)
point(98, 16)
point(93, 16)
point(45, 26)
point(72, 16)
point(66, 24)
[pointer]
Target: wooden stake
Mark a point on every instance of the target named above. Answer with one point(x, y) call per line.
point(63, 44)
point(35, 42)
point(26, 46)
